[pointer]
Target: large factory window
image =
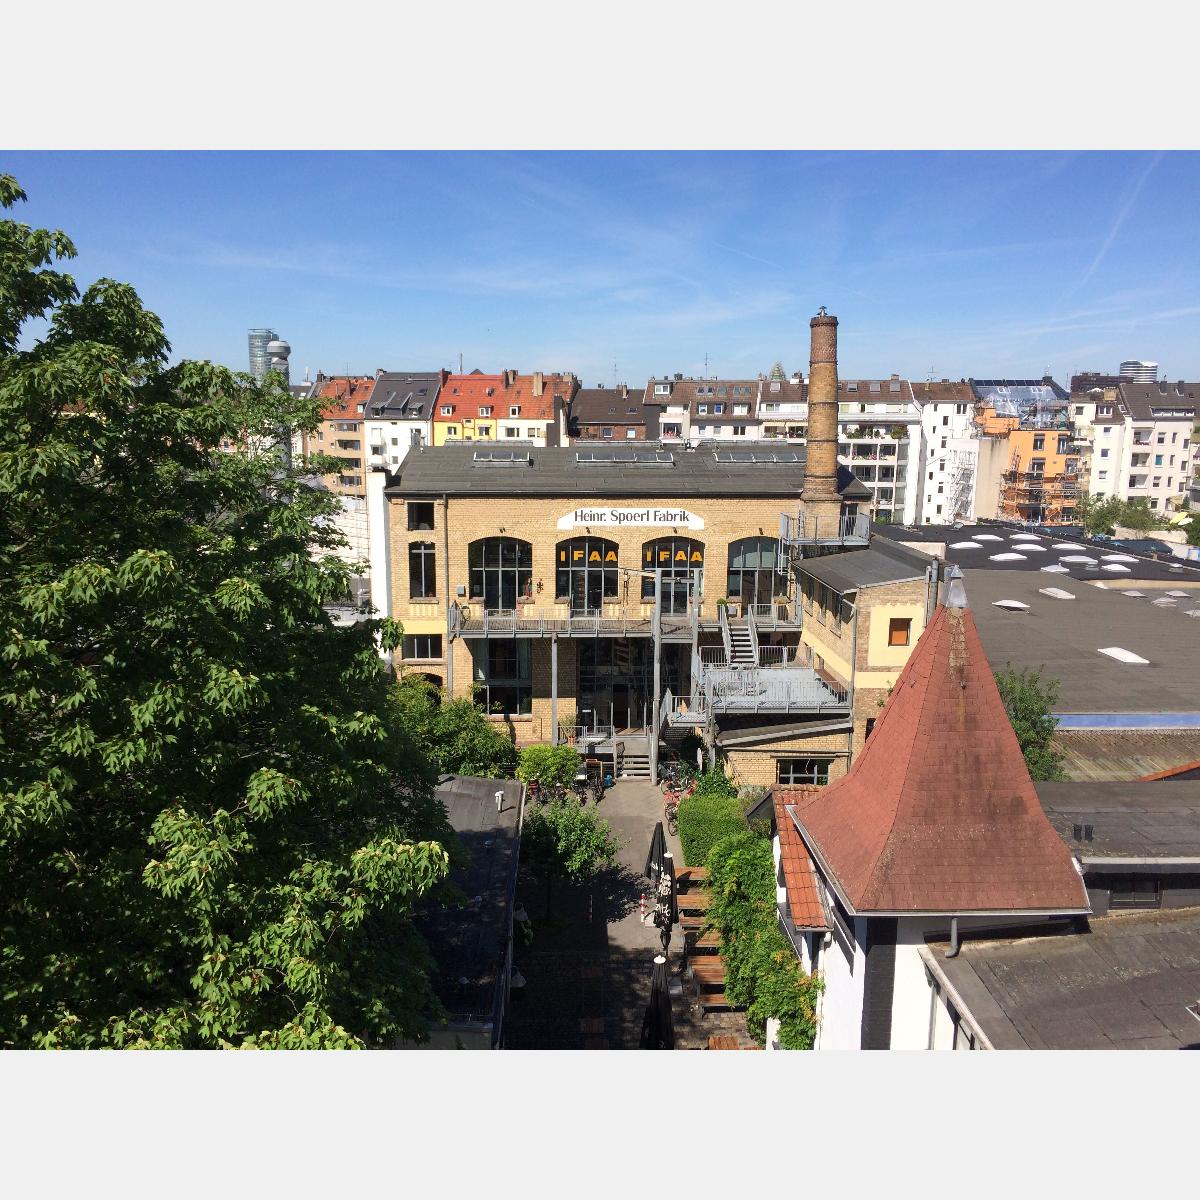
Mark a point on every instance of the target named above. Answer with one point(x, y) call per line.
point(503, 671)
point(587, 572)
point(422, 577)
point(679, 563)
point(501, 569)
point(752, 570)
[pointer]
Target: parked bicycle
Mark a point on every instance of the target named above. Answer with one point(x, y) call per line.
point(671, 813)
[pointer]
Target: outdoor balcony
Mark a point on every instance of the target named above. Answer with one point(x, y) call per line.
point(845, 530)
point(784, 689)
point(612, 620)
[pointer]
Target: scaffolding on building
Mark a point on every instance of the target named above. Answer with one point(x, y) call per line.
point(962, 484)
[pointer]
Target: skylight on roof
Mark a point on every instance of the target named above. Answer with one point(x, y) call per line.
point(759, 457)
point(1008, 558)
point(1057, 569)
point(1078, 558)
point(1124, 656)
point(503, 458)
point(1118, 558)
point(1133, 593)
point(1116, 568)
point(988, 537)
point(966, 545)
point(625, 458)
point(1011, 605)
point(1057, 593)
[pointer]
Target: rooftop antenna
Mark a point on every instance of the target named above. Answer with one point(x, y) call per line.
point(929, 377)
point(614, 372)
point(460, 369)
point(706, 364)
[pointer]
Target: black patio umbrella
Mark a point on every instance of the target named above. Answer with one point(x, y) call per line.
point(658, 1025)
point(669, 870)
point(658, 847)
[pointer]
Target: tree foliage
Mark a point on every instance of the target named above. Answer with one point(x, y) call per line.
point(455, 734)
point(1100, 515)
point(762, 970)
point(1029, 702)
point(549, 766)
point(210, 833)
point(563, 840)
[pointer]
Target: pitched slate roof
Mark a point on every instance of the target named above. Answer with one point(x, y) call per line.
point(404, 394)
point(804, 901)
point(1140, 400)
point(938, 813)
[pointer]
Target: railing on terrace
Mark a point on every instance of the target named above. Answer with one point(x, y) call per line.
point(775, 689)
point(467, 619)
point(777, 656)
point(805, 530)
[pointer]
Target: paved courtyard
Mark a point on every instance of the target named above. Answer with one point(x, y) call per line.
point(588, 967)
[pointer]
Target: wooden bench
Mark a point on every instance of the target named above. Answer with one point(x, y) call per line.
point(692, 901)
point(689, 875)
point(708, 969)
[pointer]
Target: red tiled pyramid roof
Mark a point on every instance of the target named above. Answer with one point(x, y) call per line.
point(804, 902)
point(938, 813)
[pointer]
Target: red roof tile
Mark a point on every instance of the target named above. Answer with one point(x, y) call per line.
point(804, 901)
point(938, 813)
point(343, 394)
point(467, 393)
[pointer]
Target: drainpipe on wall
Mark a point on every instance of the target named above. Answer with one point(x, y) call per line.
point(954, 946)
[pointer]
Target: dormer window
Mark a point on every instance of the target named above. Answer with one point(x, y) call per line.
point(447, 410)
point(485, 410)
point(852, 387)
point(662, 389)
point(702, 409)
point(718, 409)
point(514, 410)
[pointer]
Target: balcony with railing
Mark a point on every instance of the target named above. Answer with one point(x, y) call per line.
point(613, 620)
point(843, 530)
point(752, 690)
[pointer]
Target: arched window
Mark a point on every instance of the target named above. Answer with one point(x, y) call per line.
point(586, 573)
point(501, 569)
point(678, 561)
point(752, 570)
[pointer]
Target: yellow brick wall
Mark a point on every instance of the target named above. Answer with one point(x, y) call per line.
point(756, 765)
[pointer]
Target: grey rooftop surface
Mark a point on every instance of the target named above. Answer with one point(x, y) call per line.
point(1124, 985)
point(1153, 819)
point(992, 539)
point(1065, 637)
point(881, 562)
point(470, 943)
point(404, 395)
point(496, 469)
point(1103, 755)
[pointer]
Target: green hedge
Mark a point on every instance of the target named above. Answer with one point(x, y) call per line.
point(704, 819)
point(762, 971)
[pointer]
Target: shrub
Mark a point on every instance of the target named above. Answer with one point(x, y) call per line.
point(762, 971)
point(712, 812)
point(563, 840)
point(549, 766)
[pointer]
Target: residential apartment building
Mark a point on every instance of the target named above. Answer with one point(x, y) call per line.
point(502, 408)
point(624, 597)
point(880, 439)
point(695, 410)
point(341, 434)
point(951, 451)
point(1137, 439)
point(400, 414)
point(603, 414)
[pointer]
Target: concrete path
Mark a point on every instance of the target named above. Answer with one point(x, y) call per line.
point(589, 979)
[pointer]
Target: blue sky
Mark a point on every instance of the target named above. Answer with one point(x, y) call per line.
point(964, 263)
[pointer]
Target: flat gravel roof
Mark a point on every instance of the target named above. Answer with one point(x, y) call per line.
point(1066, 637)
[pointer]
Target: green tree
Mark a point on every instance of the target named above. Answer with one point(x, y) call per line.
point(455, 734)
point(1029, 703)
point(1098, 514)
point(564, 840)
point(549, 766)
point(210, 835)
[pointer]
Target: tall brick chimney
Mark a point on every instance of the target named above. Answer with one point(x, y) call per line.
point(821, 499)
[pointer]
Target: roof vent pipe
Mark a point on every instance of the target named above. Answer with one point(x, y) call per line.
point(956, 592)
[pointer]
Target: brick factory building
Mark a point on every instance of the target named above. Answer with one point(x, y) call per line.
point(626, 597)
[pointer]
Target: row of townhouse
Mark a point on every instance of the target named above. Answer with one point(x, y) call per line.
point(1137, 439)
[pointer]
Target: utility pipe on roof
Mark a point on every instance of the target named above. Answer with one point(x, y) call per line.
point(954, 946)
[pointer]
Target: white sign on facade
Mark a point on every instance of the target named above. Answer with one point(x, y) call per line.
point(641, 518)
